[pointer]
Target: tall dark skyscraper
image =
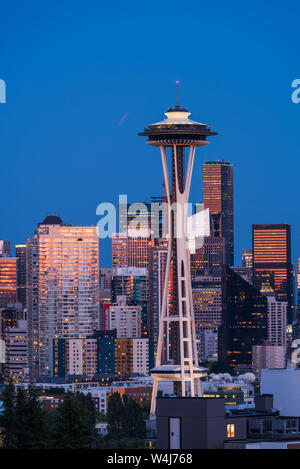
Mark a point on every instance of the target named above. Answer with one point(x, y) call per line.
point(272, 259)
point(21, 273)
point(244, 320)
point(218, 198)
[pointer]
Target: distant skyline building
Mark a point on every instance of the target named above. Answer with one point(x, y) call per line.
point(4, 248)
point(277, 321)
point(16, 352)
point(244, 272)
point(132, 282)
point(8, 281)
point(125, 319)
point(157, 267)
point(130, 251)
point(268, 356)
point(207, 300)
point(63, 288)
point(105, 276)
point(244, 321)
point(218, 198)
point(132, 356)
point(271, 246)
point(210, 256)
point(247, 258)
point(207, 303)
point(21, 273)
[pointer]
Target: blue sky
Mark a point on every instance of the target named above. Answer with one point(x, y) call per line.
point(74, 69)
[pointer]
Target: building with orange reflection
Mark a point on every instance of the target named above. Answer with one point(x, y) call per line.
point(271, 245)
point(8, 281)
point(218, 198)
point(63, 288)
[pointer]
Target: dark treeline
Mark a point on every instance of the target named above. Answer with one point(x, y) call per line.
point(26, 425)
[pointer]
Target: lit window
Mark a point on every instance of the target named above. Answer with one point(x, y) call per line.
point(231, 430)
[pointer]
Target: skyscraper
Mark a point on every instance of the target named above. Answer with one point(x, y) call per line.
point(156, 268)
point(132, 282)
point(218, 198)
point(244, 320)
point(125, 319)
point(8, 281)
point(21, 273)
point(271, 246)
point(63, 288)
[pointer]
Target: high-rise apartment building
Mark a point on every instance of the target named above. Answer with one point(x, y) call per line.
point(125, 319)
point(132, 282)
point(63, 288)
point(16, 352)
point(277, 321)
point(8, 281)
point(105, 276)
point(131, 356)
point(21, 273)
point(218, 198)
point(271, 246)
point(244, 320)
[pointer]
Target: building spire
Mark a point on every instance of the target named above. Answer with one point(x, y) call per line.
point(177, 93)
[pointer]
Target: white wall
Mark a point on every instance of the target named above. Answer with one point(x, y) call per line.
point(285, 386)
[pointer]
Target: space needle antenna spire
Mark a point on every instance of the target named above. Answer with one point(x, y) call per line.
point(177, 93)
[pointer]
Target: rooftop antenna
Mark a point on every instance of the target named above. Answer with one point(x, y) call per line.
point(177, 93)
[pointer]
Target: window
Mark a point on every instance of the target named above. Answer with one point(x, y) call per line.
point(231, 430)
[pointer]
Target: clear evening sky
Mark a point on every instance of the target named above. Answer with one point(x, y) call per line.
point(84, 77)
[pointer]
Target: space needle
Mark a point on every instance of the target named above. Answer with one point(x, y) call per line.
point(177, 135)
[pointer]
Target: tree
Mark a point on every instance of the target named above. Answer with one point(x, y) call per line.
point(220, 367)
point(73, 426)
point(21, 412)
point(8, 418)
point(134, 424)
point(115, 416)
point(125, 418)
point(35, 422)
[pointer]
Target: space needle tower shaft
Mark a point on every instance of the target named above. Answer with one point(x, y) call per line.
point(177, 135)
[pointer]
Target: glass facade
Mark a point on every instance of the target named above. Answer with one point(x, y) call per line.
point(244, 320)
point(218, 198)
point(272, 268)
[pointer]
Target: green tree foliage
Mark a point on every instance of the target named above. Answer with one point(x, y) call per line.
point(23, 420)
point(74, 423)
point(125, 418)
point(115, 416)
point(220, 367)
point(8, 417)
